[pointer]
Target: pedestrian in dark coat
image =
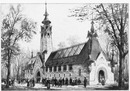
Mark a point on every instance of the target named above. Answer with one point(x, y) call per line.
point(75, 81)
point(60, 82)
point(55, 81)
point(66, 81)
point(79, 81)
point(63, 81)
point(85, 82)
point(27, 83)
point(52, 81)
point(33, 82)
point(48, 83)
point(70, 81)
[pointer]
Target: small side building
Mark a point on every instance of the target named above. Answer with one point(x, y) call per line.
point(34, 69)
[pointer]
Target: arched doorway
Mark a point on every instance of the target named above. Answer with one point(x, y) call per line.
point(101, 76)
point(38, 77)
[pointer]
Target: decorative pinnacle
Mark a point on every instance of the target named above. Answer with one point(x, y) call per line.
point(92, 26)
point(46, 14)
point(46, 20)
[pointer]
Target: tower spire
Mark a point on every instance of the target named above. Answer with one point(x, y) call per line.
point(92, 24)
point(92, 32)
point(46, 21)
point(46, 14)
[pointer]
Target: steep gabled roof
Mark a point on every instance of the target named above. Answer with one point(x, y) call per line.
point(77, 54)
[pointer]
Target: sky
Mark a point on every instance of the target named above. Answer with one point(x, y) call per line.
point(62, 26)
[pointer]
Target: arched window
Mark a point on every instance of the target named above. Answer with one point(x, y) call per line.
point(70, 67)
point(46, 69)
point(64, 68)
point(55, 68)
point(59, 68)
point(50, 69)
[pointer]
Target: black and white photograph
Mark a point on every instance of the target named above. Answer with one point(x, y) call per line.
point(64, 46)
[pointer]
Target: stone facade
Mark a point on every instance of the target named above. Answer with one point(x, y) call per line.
point(77, 71)
point(34, 69)
point(101, 64)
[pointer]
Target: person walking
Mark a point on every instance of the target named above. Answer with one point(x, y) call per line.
point(55, 81)
point(52, 81)
point(27, 82)
point(60, 82)
point(75, 81)
point(85, 82)
point(63, 81)
point(66, 81)
point(79, 81)
point(48, 83)
point(70, 81)
point(33, 82)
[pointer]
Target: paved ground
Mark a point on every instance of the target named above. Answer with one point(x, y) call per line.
point(77, 87)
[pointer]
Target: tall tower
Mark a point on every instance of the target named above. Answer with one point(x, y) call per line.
point(46, 35)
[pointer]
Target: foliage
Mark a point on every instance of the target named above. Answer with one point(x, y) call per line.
point(61, 45)
point(113, 19)
point(73, 40)
point(15, 27)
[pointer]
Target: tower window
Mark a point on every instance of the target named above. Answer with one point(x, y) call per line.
point(46, 27)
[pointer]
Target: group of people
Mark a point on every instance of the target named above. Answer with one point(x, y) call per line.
point(11, 81)
point(63, 81)
point(30, 83)
point(57, 82)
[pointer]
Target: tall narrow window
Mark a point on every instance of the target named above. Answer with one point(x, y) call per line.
point(64, 68)
point(55, 68)
point(46, 69)
point(50, 69)
point(79, 72)
point(70, 67)
point(59, 68)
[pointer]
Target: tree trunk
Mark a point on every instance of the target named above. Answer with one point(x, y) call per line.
point(120, 70)
point(8, 75)
point(18, 74)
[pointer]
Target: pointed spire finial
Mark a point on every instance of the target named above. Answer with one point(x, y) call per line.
point(46, 14)
point(46, 21)
point(92, 26)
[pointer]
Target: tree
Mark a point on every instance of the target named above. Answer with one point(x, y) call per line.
point(73, 40)
point(15, 27)
point(114, 21)
point(61, 45)
point(20, 62)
